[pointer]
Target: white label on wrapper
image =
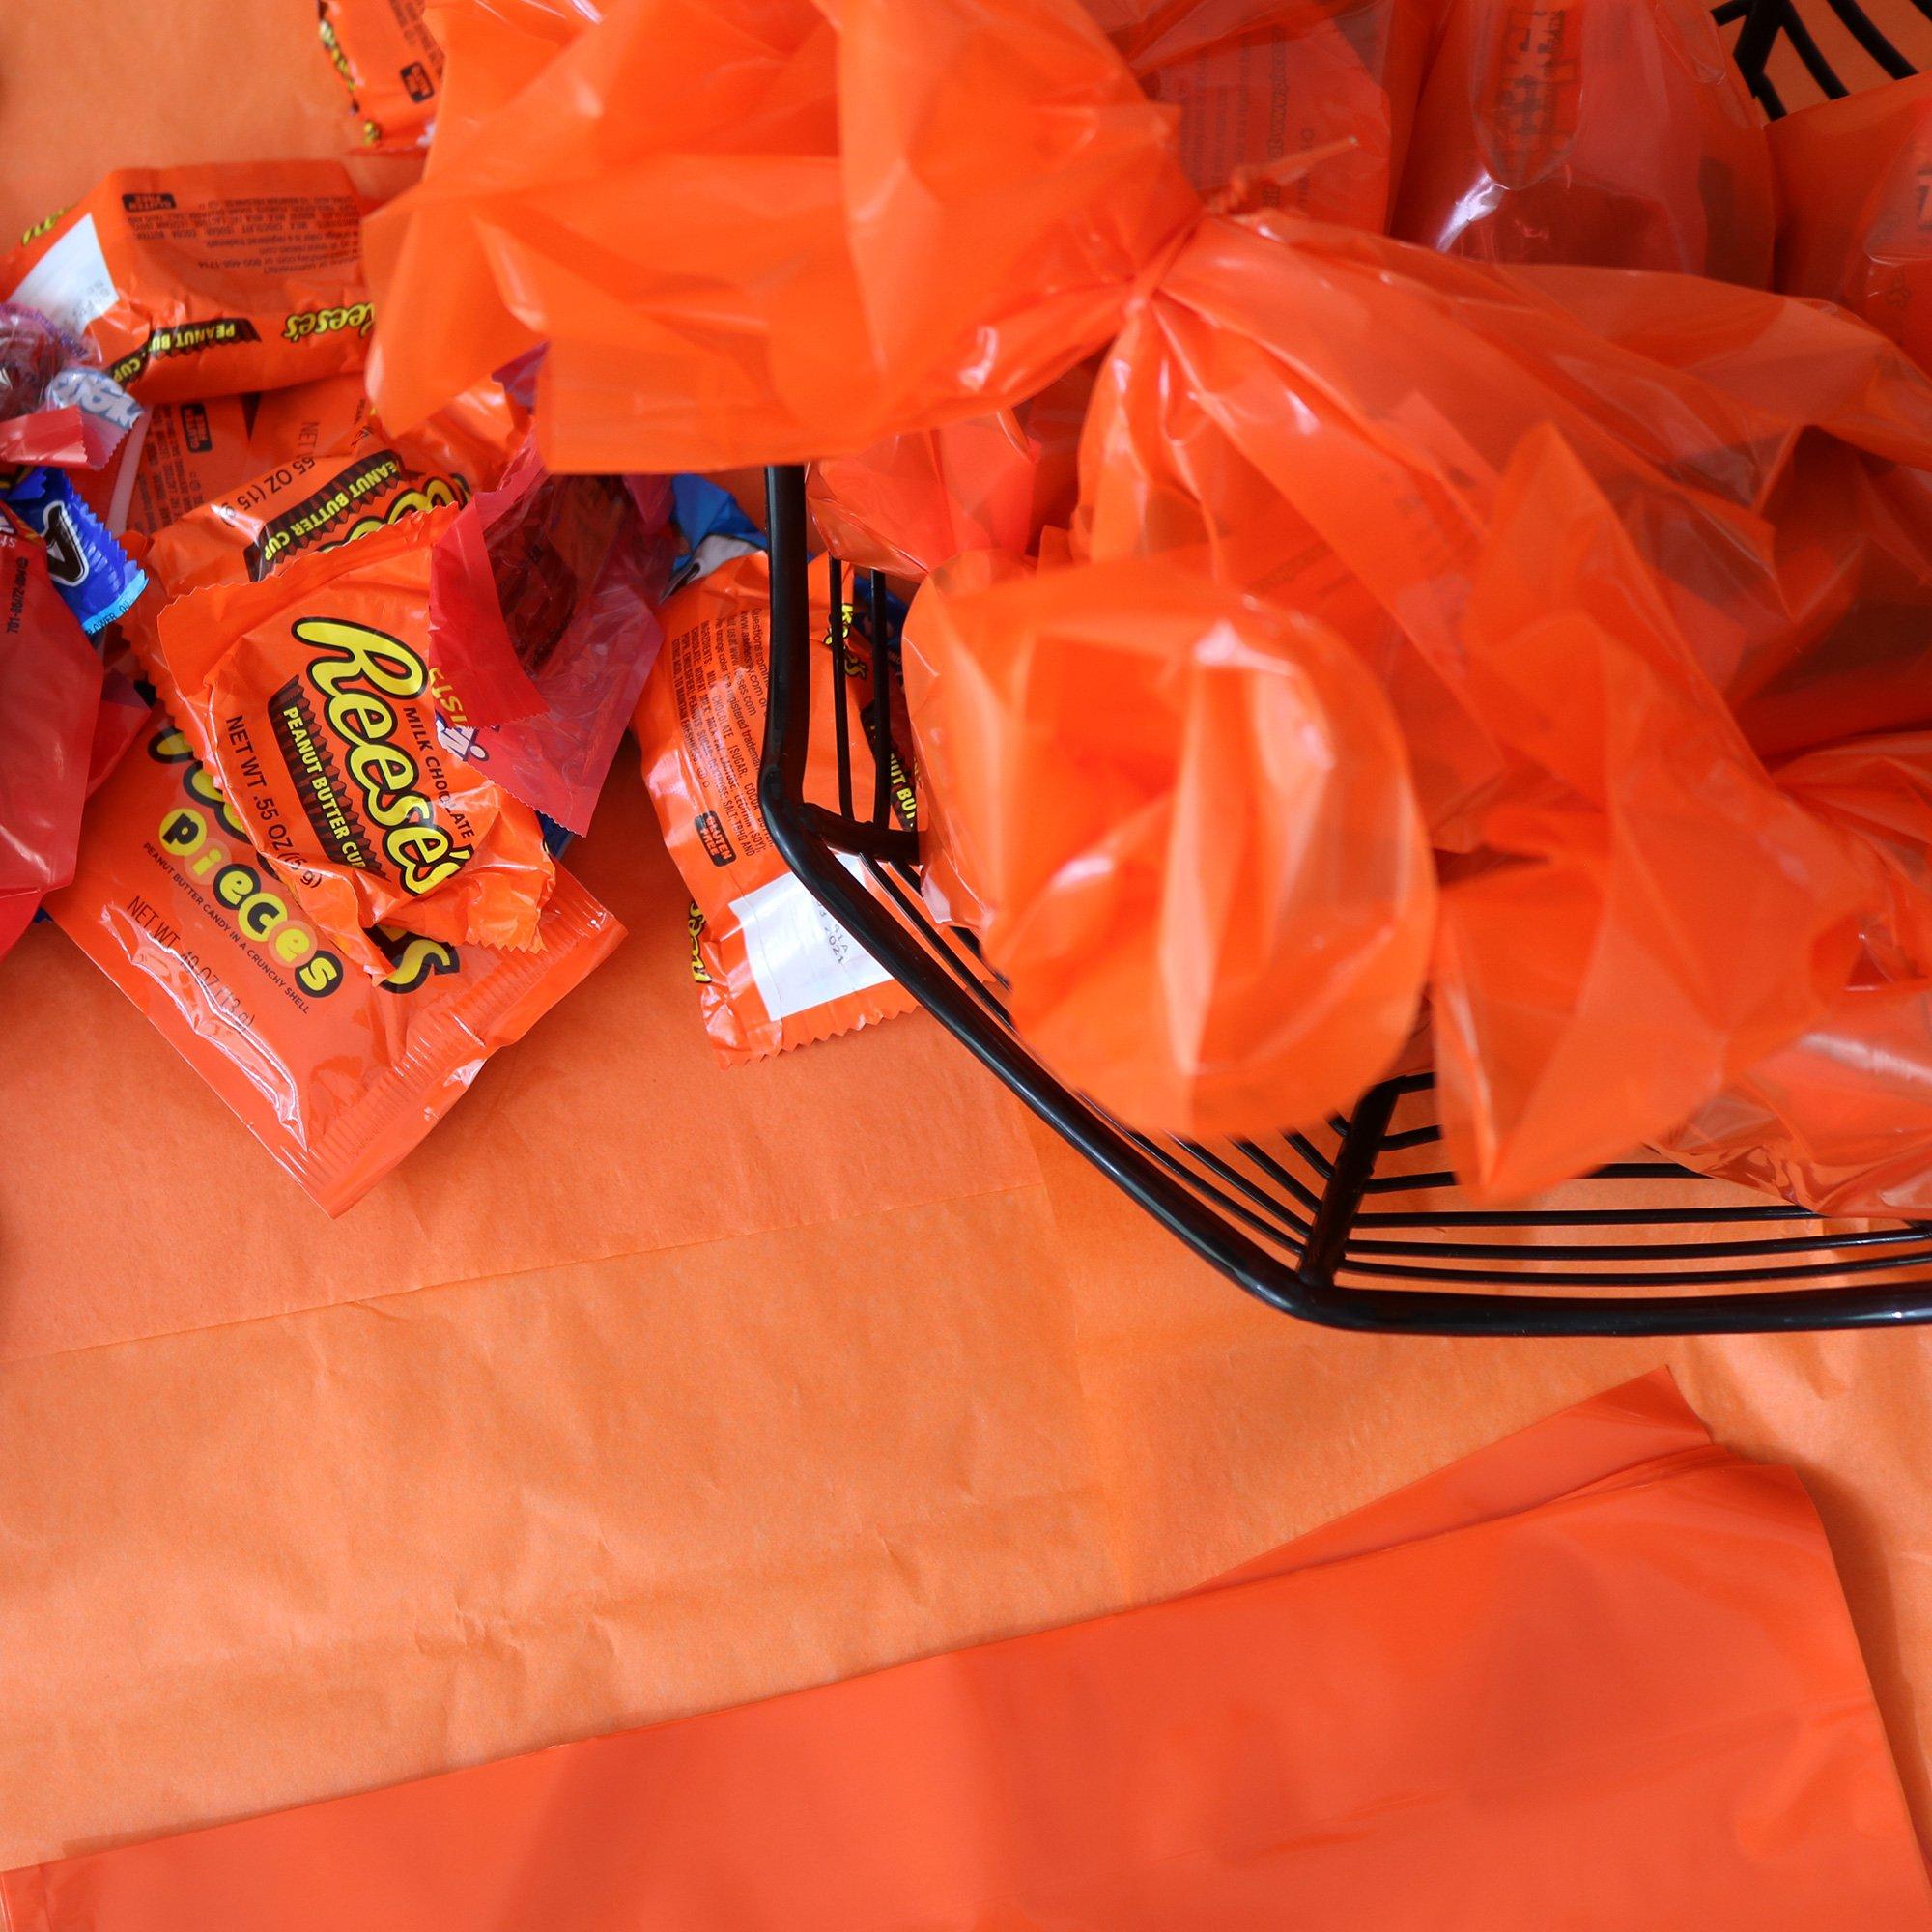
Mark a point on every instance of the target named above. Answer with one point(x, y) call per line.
point(801, 956)
point(70, 284)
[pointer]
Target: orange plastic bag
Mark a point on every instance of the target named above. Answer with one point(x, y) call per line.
point(910, 503)
point(309, 698)
point(336, 1072)
point(1851, 177)
point(1617, 132)
point(1210, 894)
point(392, 64)
point(49, 692)
point(1259, 83)
point(1840, 1120)
point(774, 969)
point(726, 162)
point(1278, 380)
point(1635, 1636)
point(206, 281)
point(194, 452)
point(1657, 915)
point(338, 476)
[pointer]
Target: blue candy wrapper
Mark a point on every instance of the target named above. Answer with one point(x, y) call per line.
point(99, 580)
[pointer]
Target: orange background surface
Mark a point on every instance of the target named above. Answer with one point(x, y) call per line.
point(646, 1388)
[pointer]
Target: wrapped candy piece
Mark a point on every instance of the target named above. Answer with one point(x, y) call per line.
point(1839, 1121)
point(55, 407)
point(309, 696)
point(1209, 891)
point(774, 969)
point(392, 64)
point(338, 1072)
point(1851, 177)
point(1618, 132)
point(206, 281)
point(1260, 82)
point(49, 690)
point(194, 452)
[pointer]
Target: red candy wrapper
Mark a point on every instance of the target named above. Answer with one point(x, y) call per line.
point(49, 692)
point(543, 603)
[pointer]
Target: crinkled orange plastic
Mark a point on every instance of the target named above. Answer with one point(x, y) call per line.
point(1851, 177)
point(1618, 132)
point(994, 482)
point(392, 64)
point(206, 281)
point(309, 696)
point(1260, 82)
point(774, 337)
point(1840, 1120)
point(337, 1071)
point(1653, 915)
point(1209, 889)
point(774, 969)
point(194, 452)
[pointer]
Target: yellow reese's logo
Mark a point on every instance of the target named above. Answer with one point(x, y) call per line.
point(361, 674)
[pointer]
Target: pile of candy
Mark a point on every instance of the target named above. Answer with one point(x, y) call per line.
point(1417, 522)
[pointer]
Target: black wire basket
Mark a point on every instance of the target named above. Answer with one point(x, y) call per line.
point(1356, 1225)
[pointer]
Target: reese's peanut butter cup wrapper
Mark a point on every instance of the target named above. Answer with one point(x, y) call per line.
point(337, 1072)
point(310, 696)
point(197, 451)
point(774, 969)
point(392, 64)
point(206, 281)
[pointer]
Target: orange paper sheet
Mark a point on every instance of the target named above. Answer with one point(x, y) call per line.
point(645, 1389)
point(1599, 1672)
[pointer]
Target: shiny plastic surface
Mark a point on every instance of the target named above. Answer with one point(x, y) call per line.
point(308, 695)
point(1190, 819)
point(337, 1071)
point(1599, 1674)
point(1616, 133)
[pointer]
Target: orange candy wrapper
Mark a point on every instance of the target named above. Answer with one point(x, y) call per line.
point(336, 1072)
point(340, 476)
point(1839, 1121)
point(774, 969)
point(1599, 1674)
point(206, 281)
point(1196, 929)
point(392, 64)
point(309, 696)
point(1614, 132)
point(194, 452)
point(1854, 228)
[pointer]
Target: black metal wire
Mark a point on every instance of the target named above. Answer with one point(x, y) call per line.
point(1339, 1237)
